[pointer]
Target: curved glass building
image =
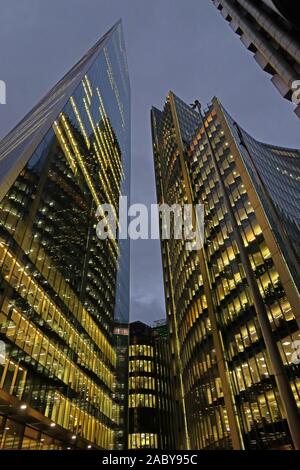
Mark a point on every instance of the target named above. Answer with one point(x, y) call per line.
point(64, 294)
point(275, 173)
point(226, 383)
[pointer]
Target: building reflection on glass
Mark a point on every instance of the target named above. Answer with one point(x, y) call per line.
point(63, 292)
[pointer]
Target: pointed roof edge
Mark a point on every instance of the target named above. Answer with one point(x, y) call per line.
point(86, 56)
point(19, 144)
point(154, 110)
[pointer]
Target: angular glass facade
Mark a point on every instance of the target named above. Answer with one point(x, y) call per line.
point(230, 396)
point(63, 292)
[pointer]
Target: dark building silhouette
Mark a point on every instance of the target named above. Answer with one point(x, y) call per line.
point(271, 31)
point(235, 301)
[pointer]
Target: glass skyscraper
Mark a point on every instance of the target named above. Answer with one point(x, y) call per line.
point(64, 293)
point(232, 306)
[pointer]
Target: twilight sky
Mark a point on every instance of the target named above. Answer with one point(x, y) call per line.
point(183, 45)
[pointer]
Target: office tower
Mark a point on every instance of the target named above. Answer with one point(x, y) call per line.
point(271, 31)
point(233, 306)
point(153, 412)
point(63, 291)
